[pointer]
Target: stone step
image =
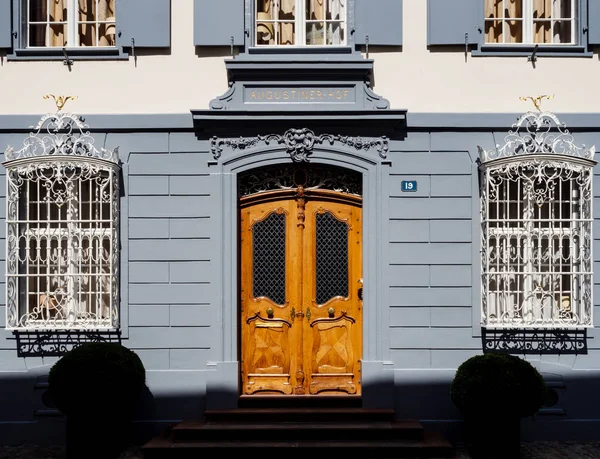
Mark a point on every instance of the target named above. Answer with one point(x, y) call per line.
point(300, 415)
point(430, 446)
point(294, 430)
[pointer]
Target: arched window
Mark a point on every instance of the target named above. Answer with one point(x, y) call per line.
point(536, 220)
point(62, 230)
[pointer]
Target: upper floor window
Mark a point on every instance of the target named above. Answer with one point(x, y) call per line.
point(62, 230)
point(531, 22)
point(69, 23)
point(301, 22)
point(536, 205)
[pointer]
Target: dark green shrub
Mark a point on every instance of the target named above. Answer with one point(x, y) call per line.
point(499, 385)
point(97, 378)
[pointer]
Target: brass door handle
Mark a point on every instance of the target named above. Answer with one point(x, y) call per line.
point(270, 313)
point(331, 312)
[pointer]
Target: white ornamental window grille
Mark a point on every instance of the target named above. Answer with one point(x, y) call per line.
point(536, 220)
point(300, 22)
point(62, 229)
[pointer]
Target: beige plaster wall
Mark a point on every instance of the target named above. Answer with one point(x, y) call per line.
point(415, 78)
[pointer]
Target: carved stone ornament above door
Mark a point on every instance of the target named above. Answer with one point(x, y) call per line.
point(299, 143)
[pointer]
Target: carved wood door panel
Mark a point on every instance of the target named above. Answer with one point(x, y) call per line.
point(301, 315)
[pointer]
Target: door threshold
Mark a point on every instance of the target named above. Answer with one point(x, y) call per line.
point(300, 401)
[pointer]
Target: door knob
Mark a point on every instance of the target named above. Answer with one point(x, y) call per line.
point(331, 312)
point(270, 313)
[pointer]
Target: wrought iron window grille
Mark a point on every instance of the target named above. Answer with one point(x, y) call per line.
point(62, 229)
point(536, 219)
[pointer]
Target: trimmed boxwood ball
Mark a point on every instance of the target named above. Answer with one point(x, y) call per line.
point(101, 378)
point(501, 385)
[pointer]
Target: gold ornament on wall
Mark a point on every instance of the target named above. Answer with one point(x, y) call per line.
point(60, 101)
point(537, 101)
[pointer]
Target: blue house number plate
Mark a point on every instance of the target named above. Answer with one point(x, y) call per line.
point(409, 185)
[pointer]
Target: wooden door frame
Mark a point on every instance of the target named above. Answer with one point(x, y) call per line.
point(377, 375)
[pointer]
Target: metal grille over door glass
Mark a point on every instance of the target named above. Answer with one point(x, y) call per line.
point(268, 254)
point(332, 257)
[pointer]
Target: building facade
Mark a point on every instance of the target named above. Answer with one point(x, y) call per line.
point(300, 198)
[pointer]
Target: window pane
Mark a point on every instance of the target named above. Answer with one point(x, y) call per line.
point(58, 35)
point(58, 10)
point(493, 32)
point(37, 35)
point(315, 10)
point(265, 27)
point(286, 33)
point(287, 10)
point(562, 32)
point(97, 22)
point(541, 32)
point(513, 32)
point(493, 9)
point(335, 33)
point(336, 10)
point(315, 33)
point(542, 9)
point(562, 9)
point(38, 11)
point(513, 9)
point(87, 34)
point(96, 10)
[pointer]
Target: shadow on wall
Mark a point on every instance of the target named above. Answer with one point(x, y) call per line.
point(571, 411)
point(27, 415)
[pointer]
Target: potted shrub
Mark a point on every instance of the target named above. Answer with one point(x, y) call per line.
point(97, 386)
point(493, 392)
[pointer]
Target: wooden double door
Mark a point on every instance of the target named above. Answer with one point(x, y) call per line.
point(301, 293)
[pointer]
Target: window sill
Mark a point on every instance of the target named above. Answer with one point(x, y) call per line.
point(74, 54)
point(527, 50)
point(300, 50)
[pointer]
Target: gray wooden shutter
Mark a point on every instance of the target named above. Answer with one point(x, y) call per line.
point(217, 21)
point(594, 22)
point(5, 24)
point(454, 22)
point(147, 22)
point(378, 22)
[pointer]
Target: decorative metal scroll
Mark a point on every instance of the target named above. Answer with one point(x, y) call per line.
point(290, 176)
point(57, 343)
point(61, 134)
point(535, 341)
point(536, 219)
point(299, 143)
point(538, 133)
point(62, 230)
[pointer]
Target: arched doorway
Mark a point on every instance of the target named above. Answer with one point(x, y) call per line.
point(300, 294)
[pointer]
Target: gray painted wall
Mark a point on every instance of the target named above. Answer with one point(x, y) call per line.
point(179, 316)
